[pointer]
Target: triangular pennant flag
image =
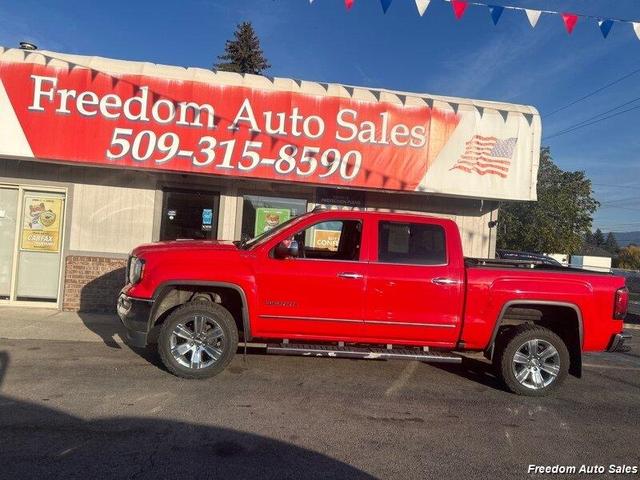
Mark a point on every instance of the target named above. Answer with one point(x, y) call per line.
point(459, 6)
point(455, 107)
point(636, 28)
point(422, 6)
point(348, 4)
point(385, 5)
point(496, 12)
point(376, 93)
point(533, 16)
point(528, 117)
point(605, 27)
point(402, 98)
point(504, 114)
point(570, 20)
point(349, 90)
point(480, 110)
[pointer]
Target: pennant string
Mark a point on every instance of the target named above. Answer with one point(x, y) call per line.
point(552, 12)
point(533, 14)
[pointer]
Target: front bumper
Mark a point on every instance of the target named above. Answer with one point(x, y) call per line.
point(617, 343)
point(134, 314)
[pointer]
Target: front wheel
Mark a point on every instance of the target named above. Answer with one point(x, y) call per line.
point(198, 340)
point(531, 360)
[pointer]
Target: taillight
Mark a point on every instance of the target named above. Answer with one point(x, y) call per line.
point(621, 303)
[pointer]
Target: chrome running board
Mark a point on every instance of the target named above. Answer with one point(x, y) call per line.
point(368, 353)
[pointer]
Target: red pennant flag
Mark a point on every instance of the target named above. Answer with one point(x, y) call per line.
point(570, 20)
point(348, 4)
point(459, 6)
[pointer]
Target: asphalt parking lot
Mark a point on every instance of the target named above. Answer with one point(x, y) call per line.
point(90, 410)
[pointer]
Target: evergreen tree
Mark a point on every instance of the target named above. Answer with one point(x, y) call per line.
point(243, 54)
point(598, 238)
point(588, 238)
point(611, 244)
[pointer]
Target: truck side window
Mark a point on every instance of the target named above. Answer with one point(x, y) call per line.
point(334, 240)
point(411, 243)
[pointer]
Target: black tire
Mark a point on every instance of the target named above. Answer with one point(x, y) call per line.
point(212, 315)
point(513, 341)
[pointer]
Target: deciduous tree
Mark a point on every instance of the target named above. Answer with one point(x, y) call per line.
point(561, 218)
point(629, 257)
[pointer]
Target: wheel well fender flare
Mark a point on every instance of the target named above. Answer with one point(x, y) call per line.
point(165, 287)
point(576, 354)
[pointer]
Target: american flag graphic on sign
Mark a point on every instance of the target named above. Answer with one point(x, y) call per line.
point(487, 156)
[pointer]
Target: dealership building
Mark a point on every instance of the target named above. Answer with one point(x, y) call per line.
point(100, 155)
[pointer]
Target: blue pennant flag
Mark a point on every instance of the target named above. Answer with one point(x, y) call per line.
point(605, 27)
point(385, 5)
point(496, 12)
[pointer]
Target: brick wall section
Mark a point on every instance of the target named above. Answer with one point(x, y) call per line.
point(92, 284)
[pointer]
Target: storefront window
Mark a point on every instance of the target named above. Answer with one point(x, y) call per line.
point(261, 214)
point(188, 214)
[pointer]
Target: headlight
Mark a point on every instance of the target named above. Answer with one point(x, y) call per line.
point(136, 267)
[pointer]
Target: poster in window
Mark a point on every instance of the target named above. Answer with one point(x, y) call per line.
point(41, 224)
point(267, 218)
point(326, 239)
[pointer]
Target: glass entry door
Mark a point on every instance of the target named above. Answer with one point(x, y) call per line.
point(31, 238)
point(189, 214)
point(8, 228)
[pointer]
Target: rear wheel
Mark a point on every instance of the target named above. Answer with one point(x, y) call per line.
point(531, 360)
point(198, 340)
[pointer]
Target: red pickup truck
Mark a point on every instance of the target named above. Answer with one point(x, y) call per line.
point(368, 285)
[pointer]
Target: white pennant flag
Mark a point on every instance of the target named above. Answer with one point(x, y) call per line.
point(636, 28)
point(422, 6)
point(533, 16)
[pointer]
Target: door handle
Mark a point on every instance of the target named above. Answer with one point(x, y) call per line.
point(351, 275)
point(444, 281)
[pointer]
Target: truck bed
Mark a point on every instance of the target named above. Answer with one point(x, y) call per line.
point(471, 262)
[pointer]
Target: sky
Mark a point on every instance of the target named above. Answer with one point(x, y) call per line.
point(436, 54)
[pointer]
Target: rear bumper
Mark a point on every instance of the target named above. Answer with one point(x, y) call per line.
point(134, 314)
point(618, 343)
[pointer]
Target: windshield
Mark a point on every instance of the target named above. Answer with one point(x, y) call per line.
point(263, 237)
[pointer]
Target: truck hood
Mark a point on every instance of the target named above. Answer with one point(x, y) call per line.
point(178, 245)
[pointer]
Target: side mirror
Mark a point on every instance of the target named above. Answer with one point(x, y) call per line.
point(287, 249)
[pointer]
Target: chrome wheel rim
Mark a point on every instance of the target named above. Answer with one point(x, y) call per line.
point(197, 343)
point(536, 364)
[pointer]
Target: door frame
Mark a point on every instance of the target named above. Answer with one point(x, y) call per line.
point(164, 188)
point(305, 194)
point(22, 188)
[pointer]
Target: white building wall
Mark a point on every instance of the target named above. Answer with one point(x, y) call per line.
point(110, 211)
point(110, 219)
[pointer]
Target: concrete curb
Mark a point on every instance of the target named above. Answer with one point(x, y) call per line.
point(45, 324)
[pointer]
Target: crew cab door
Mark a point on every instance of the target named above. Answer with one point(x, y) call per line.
point(320, 293)
point(415, 282)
